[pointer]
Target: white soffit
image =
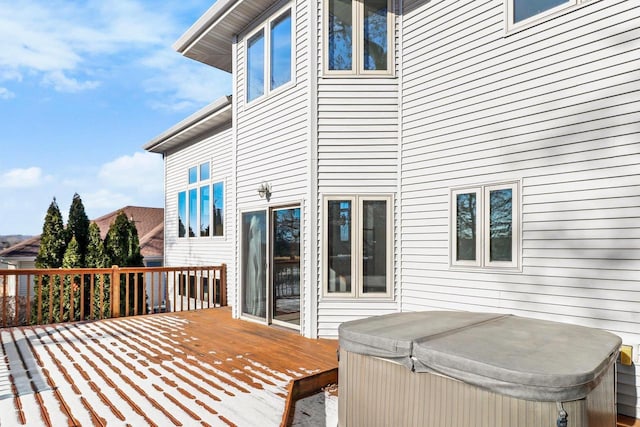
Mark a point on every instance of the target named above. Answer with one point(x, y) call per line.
point(214, 115)
point(210, 39)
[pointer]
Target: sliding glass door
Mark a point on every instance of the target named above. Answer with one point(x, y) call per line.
point(286, 265)
point(270, 268)
point(254, 264)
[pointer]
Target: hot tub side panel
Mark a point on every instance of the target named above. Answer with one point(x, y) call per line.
point(376, 392)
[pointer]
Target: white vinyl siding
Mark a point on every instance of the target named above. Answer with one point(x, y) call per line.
point(272, 140)
point(216, 149)
point(555, 106)
point(358, 145)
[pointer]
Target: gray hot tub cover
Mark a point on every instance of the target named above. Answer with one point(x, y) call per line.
point(525, 358)
point(392, 336)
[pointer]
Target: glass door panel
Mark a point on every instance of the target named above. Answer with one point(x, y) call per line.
point(286, 265)
point(254, 264)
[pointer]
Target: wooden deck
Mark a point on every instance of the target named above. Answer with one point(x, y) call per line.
point(189, 368)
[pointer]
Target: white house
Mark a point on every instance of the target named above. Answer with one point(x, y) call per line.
point(380, 156)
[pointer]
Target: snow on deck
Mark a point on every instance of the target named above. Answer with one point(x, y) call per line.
point(183, 369)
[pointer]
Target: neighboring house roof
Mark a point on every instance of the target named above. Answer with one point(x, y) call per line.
point(213, 116)
point(210, 39)
point(149, 223)
point(25, 250)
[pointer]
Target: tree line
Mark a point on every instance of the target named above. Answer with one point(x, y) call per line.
point(79, 245)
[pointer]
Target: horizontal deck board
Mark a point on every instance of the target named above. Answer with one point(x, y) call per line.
point(165, 369)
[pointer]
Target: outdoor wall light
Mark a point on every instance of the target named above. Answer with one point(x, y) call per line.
point(264, 190)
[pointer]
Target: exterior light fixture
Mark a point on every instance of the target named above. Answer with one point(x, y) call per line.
point(264, 191)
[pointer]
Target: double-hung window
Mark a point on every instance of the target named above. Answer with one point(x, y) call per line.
point(358, 249)
point(269, 56)
point(520, 13)
point(198, 214)
point(485, 226)
point(358, 37)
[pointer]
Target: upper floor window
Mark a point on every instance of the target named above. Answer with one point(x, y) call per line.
point(485, 226)
point(522, 12)
point(358, 37)
point(269, 56)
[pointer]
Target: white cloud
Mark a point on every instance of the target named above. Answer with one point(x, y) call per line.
point(6, 93)
point(22, 178)
point(141, 173)
point(60, 38)
point(62, 83)
point(70, 47)
point(103, 201)
point(183, 84)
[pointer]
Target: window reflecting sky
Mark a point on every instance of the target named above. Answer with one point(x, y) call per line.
point(340, 37)
point(255, 66)
point(523, 9)
point(281, 51)
point(375, 35)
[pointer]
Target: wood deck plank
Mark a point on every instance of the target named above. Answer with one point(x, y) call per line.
point(199, 367)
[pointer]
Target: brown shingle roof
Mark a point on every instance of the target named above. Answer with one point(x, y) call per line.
point(25, 249)
point(149, 223)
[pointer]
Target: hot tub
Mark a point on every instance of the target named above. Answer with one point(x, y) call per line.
point(460, 369)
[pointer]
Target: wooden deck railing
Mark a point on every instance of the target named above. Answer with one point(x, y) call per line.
point(43, 296)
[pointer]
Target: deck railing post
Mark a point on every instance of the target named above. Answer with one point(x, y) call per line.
point(223, 285)
point(115, 291)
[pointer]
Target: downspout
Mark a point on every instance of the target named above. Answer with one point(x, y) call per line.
point(314, 285)
point(234, 177)
point(398, 228)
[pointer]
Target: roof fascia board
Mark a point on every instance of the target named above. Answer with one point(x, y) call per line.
point(210, 111)
point(219, 11)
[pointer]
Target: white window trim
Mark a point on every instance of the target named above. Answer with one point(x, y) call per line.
point(213, 179)
point(358, 47)
point(265, 27)
point(454, 228)
point(357, 237)
point(483, 240)
point(515, 226)
point(511, 26)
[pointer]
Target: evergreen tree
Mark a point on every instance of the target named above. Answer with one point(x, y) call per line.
point(97, 258)
point(122, 244)
point(123, 249)
point(78, 226)
point(72, 259)
point(53, 241)
point(52, 247)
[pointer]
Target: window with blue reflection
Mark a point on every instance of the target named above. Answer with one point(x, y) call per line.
point(205, 203)
point(280, 58)
point(524, 9)
point(339, 246)
point(375, 35)
point(193, 175)
point(255, 66)
point(374, 246)
point(182, 213)
point(218, 209)
point(193, 211)
point(466, 226)
point(340, 36)
point(500, 225)
point(205, 171)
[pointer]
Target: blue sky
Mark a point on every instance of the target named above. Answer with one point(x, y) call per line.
point(83, 86)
